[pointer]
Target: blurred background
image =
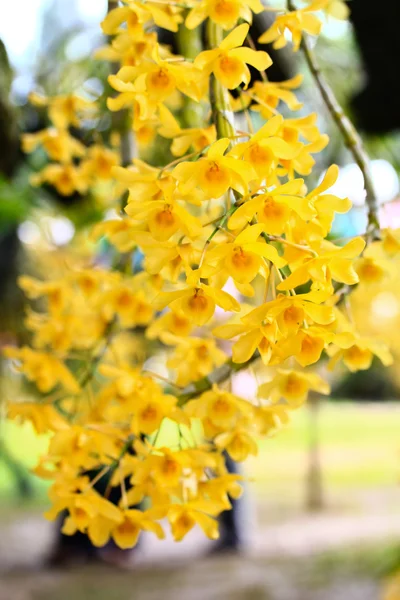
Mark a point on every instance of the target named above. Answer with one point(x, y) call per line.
point(321, 516)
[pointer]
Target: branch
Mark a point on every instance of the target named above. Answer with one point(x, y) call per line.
point(216, 377)
point(349, 133)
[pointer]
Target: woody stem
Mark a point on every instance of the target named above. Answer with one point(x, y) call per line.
point(349, 133)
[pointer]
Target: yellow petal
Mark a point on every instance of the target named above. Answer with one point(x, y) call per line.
point(217, 149)
point(235, 38)
point(267, 251)
point(226, 332)
point(195, 17)
point(250, 234)
point(244, 348)
point(114, 19)
point(165, 298)
point(205, 59)
point(245, 213)
point(260, 60)
point(223, 299)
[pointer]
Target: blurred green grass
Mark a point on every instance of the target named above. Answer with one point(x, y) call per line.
point(360, 448)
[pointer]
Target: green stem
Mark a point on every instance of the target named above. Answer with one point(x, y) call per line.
point(349, 133)
point(222, 115)
point(215, 378)
point(190, 44)
point(121, 121)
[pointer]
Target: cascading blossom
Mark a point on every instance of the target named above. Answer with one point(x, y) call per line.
point(231, 206)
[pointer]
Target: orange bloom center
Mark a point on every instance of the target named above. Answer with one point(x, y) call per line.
point(150, 413)
point(165, 218)
point(198, 302)
point(230, 65)
point(124, 299)
point(225, 10)
point(259, 155)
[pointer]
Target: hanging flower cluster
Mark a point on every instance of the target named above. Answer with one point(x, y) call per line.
point(75, 167)
point(233, 246)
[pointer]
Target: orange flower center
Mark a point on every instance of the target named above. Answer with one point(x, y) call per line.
point(202, 351)
point(230, 65)
point(259, 155)
point(225, 10)
point(165, 218)
point(124, 299)
point(150, 413)
point(198, 302)
point(160, 80)
point(241, 259)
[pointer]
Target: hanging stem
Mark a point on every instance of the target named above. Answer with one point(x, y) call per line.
point(350, 135)
point(121, 119)
point(218, 376)
point(190, 44)
point(219, 97)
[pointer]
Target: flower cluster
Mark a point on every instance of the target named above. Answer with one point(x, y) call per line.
point(233, 246)
point(75, 167)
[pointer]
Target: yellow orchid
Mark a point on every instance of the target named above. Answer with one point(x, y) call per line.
point(150, 412)
point(222, 409)
point(183, 517)
point(229, 61)
point(59, 145)
point(183, 139)
point(274, 208)
point(43, 418)
point(332, 262)
point(45, 369)
point(159, 78)
point(358, 353)
point(272, 327)
point(326, 205)
point(242, 258)
point(391, 241)
point(126, 533)
point(295, 22)
point(223, 12)
point(137, 15)
point(126, 50)
point(64, 110)
point(166, 257)
point(266, 96)
point(238, 443)
point(215, 173)
point(148, 182)
point(121, 233)
point(100, 162)
point(222, 489)
point(130, 306)
point(265, 149)
point(253, 336)
point(113, 332)
point(303, 162)
point(66, 178)
point(172, 322)
point(196, 301)
point(193, 358)
point(164, 218)
point(293, 386)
